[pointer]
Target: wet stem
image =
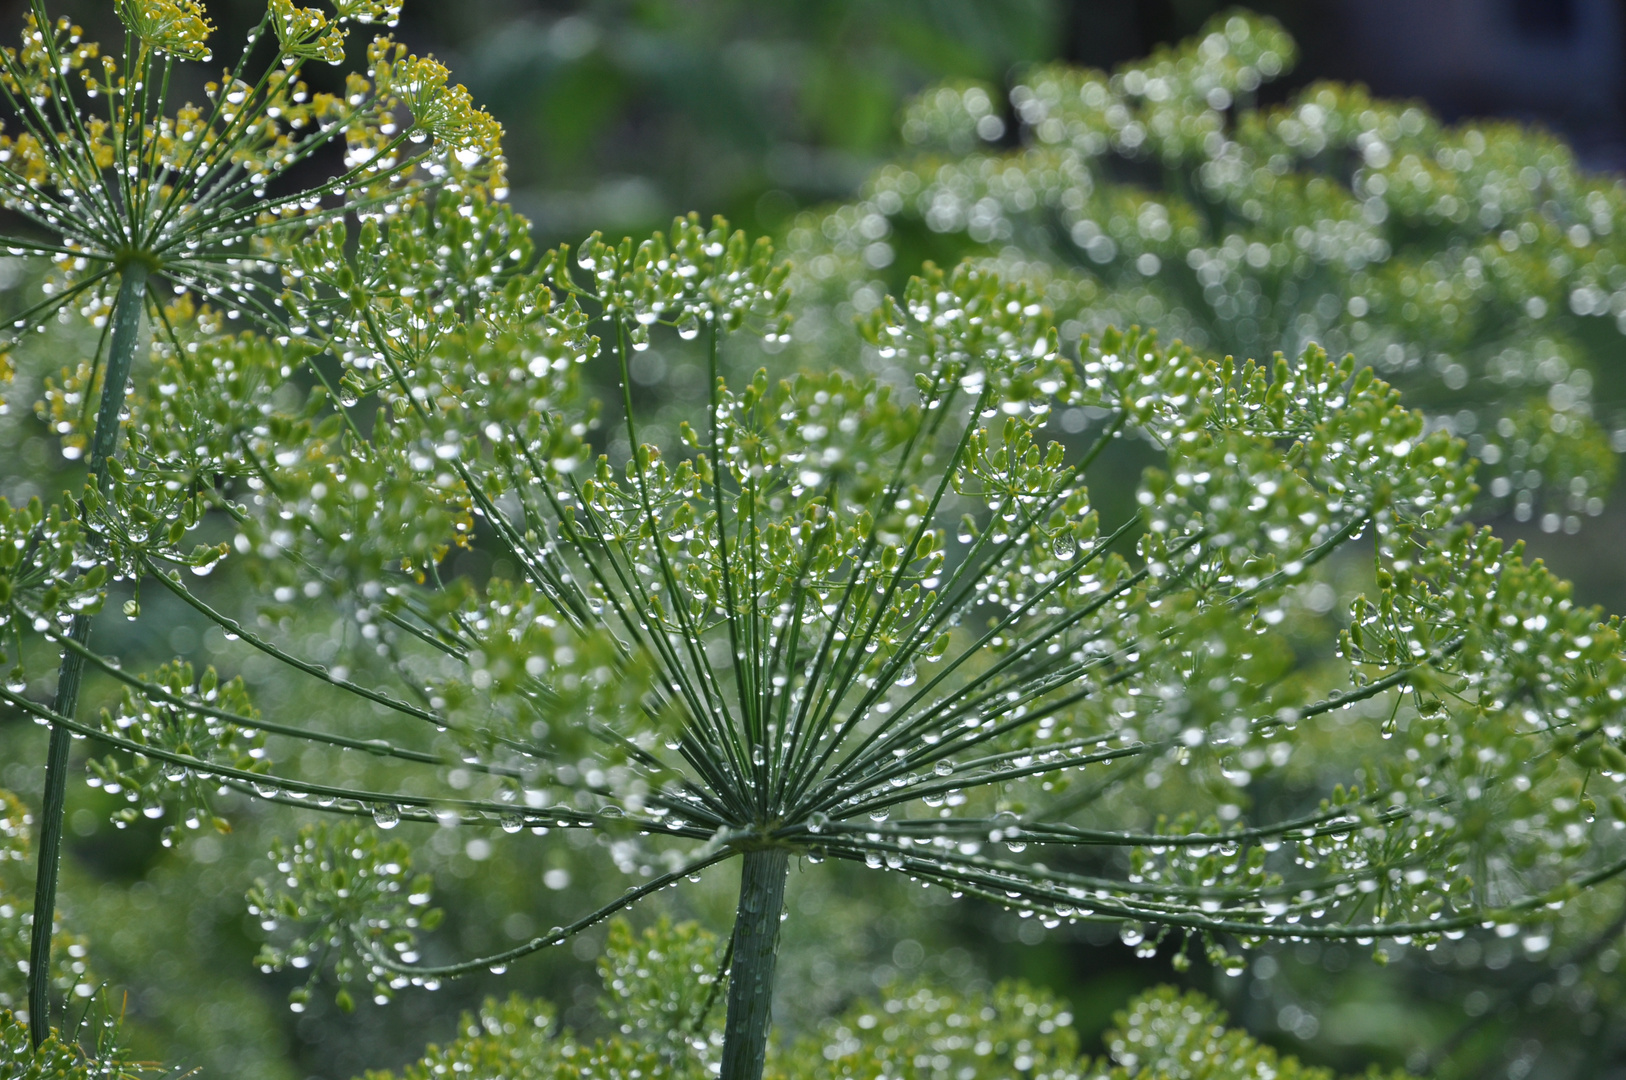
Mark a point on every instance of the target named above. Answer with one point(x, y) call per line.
point(750, 980)
point(127, 308)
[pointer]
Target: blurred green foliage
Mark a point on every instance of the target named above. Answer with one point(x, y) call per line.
point(69, 975)
point(917, 1028)
point(620, 115)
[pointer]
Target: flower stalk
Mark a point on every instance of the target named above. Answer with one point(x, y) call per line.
point(756, 952)
point(127, 308)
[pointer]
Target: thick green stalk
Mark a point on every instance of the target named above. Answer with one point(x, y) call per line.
point(127, 310)
point(750, 980)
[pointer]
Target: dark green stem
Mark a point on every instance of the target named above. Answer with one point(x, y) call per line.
point(750, 980)
point(121, 354)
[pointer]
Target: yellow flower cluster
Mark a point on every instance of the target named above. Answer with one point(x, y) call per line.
point(306, 33)
point(178, 27)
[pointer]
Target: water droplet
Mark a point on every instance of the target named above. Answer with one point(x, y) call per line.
point(943, 768)
point(512, 823)
point(688, 327)
point(1064, 545)
point(817, 821)
point(907, 676)
point(386, 817)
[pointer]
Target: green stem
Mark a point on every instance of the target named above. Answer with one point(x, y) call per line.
point(750, 980)
point(126, 327)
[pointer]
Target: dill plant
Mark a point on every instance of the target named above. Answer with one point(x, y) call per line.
point(1475, 265)
point(127, 193)
point(834, 618)
point(60, 1059)
point(831, 617)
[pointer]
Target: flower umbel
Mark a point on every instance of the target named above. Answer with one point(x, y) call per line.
point(113, 172)
point(830, 618)
point(180, 28)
